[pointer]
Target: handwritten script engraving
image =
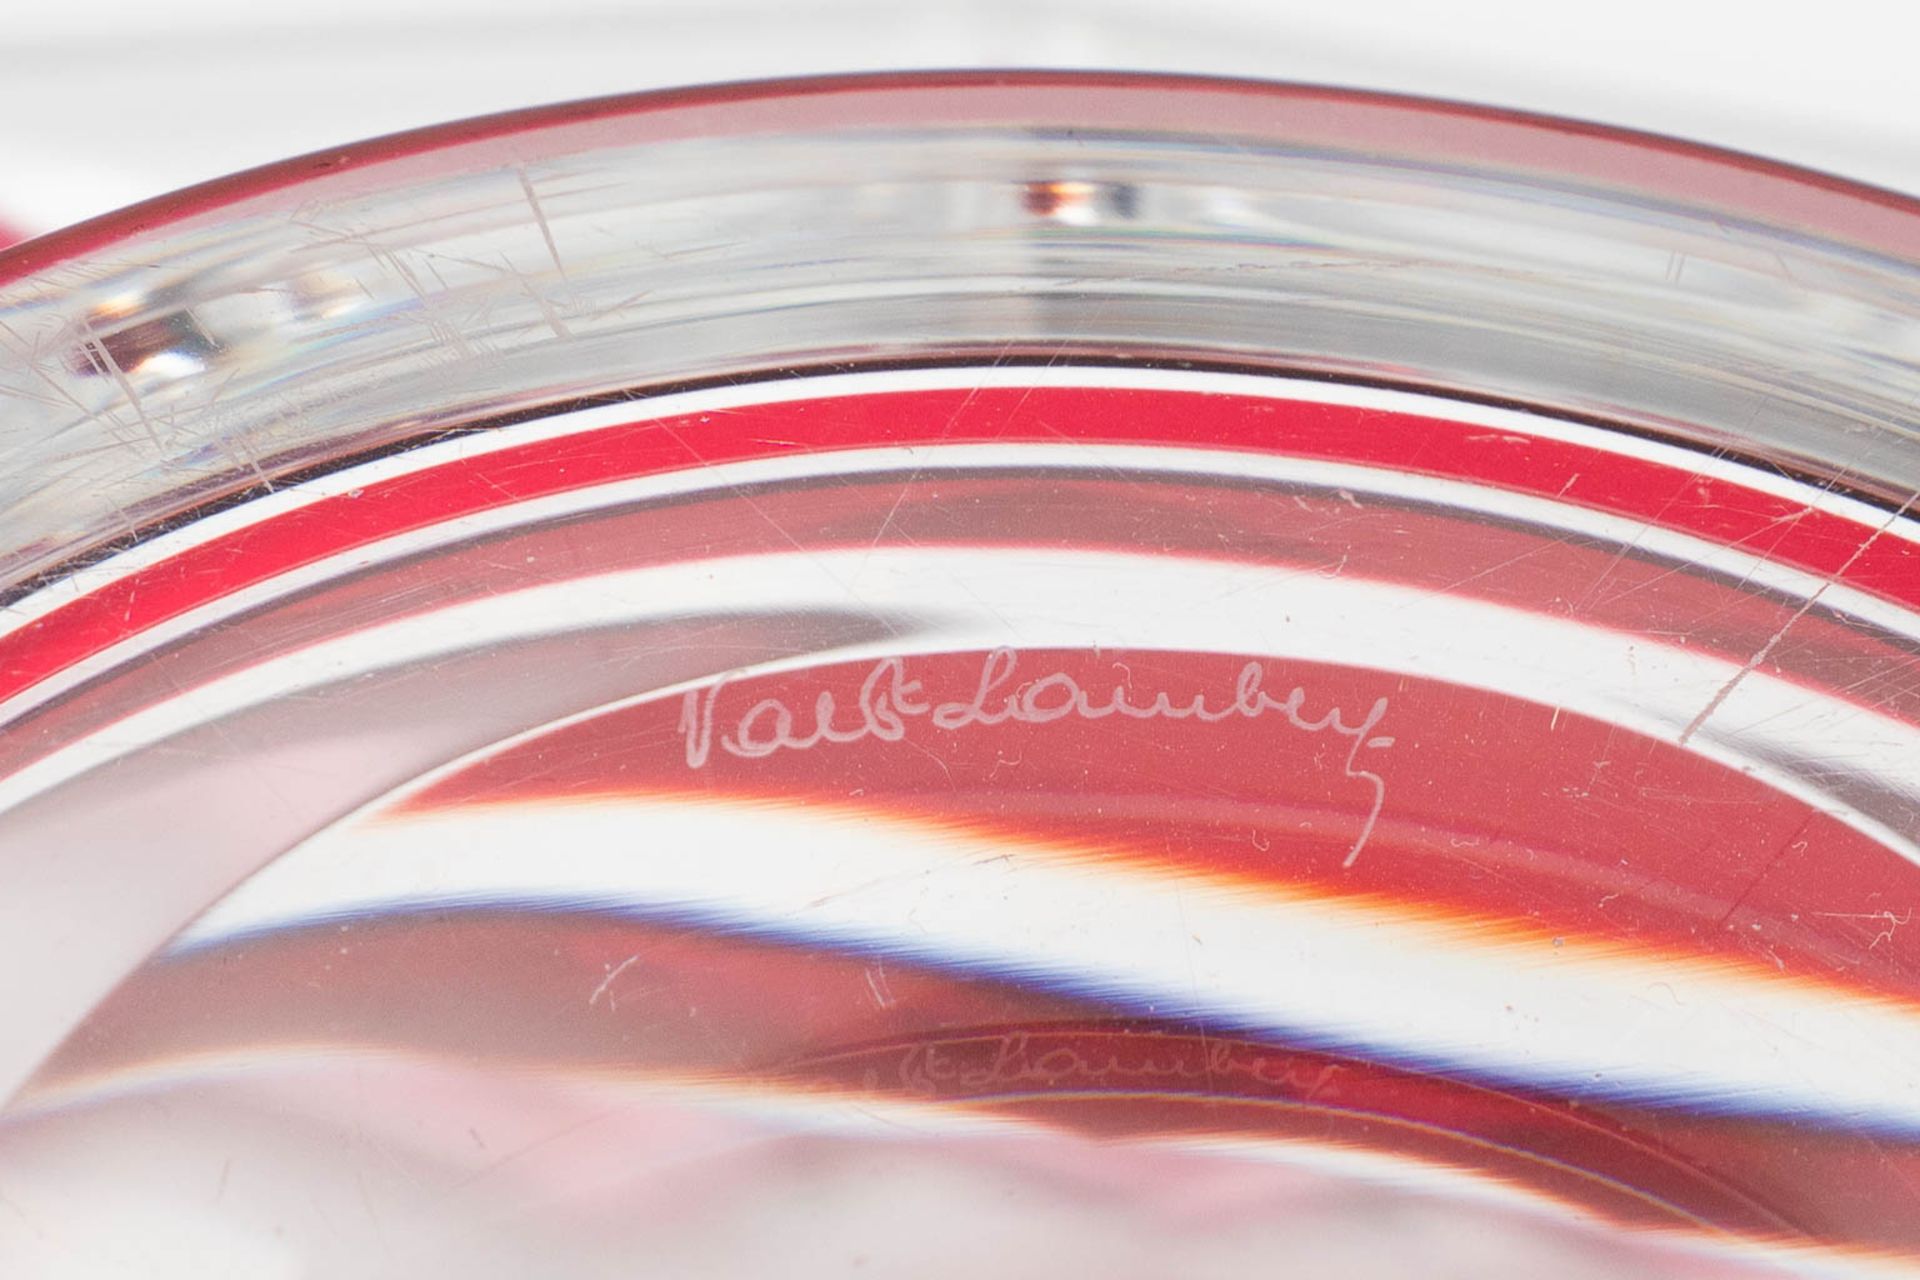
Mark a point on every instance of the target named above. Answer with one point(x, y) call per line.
point(1076, 1061)
point(1021, 1060)
point(890, 699)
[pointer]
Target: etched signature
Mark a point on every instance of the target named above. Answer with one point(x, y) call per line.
point(889, 698)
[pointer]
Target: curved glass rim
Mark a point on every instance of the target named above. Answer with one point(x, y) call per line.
point(1504, 250)
point(1703, 175)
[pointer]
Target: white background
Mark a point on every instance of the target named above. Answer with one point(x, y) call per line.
point(110, 101)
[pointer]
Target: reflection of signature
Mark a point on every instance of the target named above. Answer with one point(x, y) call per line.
point(1118, 1061)
point(889, 698)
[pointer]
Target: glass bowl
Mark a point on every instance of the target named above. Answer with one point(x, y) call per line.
point(936, 673)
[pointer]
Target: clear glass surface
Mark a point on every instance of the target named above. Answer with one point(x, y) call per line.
point(935, 674)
